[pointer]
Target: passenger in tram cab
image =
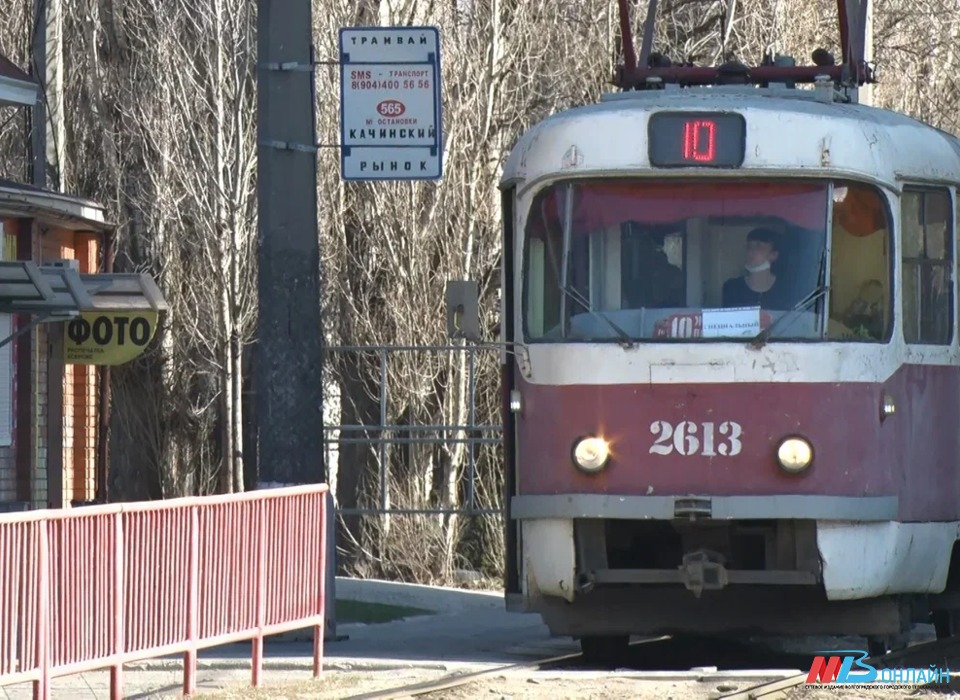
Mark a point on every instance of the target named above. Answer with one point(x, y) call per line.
point(651, 280)
point(666, 282)
point(758, 285)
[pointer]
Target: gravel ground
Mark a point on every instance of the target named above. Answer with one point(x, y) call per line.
point(333, 684)
point(581, 684)
point(538, 685)
point(557, 686)
point(547, 685)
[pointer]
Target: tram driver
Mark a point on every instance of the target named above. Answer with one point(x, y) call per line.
point(758, 285)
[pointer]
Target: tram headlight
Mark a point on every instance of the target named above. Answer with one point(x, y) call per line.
point(590, 454)
point(795, 454)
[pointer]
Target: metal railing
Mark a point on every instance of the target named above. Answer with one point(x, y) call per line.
point(97, 587)
point(384, 434)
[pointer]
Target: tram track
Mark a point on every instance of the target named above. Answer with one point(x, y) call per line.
point(685, 655)
point(660, 651)
point(455, 680)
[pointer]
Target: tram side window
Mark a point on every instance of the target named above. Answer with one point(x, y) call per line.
point(546, 304)
point(543, 293)
point(860, 284)
point(927, 224)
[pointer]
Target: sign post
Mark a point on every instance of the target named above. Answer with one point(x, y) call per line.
point(390, 115)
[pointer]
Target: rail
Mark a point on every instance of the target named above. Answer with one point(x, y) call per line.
point(383, 438)
point(97, 587)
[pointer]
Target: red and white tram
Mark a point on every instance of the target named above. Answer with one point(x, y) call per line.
point(733, 389)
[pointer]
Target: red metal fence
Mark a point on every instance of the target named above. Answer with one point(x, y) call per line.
point(94, 588)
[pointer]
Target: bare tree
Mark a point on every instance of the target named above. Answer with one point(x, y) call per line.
point(169, 91)
point(214, 167)
point(15, 27)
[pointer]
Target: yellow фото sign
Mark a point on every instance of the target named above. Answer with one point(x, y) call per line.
point(108, 337)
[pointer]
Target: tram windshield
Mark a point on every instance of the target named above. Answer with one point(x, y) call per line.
point(618, 259)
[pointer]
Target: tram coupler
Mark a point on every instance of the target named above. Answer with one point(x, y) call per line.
point(703, 570)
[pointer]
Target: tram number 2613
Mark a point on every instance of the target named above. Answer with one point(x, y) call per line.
point(689, 438)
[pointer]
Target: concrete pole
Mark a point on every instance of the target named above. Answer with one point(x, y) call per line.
point(288, 377)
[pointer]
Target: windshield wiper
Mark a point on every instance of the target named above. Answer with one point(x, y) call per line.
point(625, 342)
point(802, 305)
point(818, 291)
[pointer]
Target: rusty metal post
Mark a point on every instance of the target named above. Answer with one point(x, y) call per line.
point(56, 364)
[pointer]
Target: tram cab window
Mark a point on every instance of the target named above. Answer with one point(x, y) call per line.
point(927, 230)
point(610, 259)
point(860, 275)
